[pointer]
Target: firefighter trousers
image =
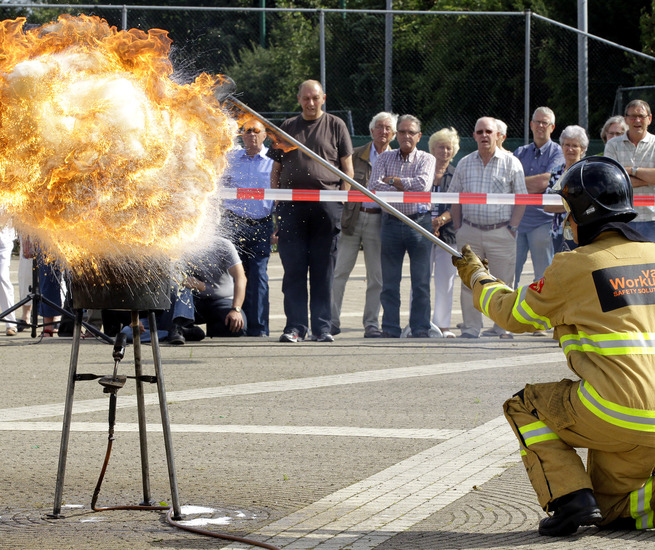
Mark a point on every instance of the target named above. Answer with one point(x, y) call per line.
point(550, 423)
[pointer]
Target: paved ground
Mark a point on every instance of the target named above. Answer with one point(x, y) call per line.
point(359, 444)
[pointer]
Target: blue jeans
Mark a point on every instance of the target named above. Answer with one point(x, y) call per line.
point(540, 244)
point(181, 309)
point(397, 238)
point(647, 229)
point(307, 242)
point(50, 281)
point(253, 242)
point(213, 312)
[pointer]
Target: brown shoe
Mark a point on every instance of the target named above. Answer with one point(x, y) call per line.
point(372, 331)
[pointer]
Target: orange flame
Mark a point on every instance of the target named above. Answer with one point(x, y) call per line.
point(102, 154)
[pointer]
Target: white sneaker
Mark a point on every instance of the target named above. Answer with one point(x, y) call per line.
point(291, 336)
point(325, 337)
point(435, 331)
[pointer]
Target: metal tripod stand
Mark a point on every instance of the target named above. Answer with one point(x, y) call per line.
point(68, 410)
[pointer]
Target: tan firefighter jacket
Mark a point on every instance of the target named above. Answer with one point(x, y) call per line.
point(600, 300)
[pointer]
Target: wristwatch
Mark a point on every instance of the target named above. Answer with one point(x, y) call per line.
point(512, 228)
point(633, 170)
point(236, 308)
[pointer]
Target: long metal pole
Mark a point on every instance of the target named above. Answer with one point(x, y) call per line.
point(526, 87)
point(583, 67)
point(388, 57)
point(321, 17)
point(383, 204)
point(262, 24)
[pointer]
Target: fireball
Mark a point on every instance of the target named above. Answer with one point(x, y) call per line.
point(102, 154)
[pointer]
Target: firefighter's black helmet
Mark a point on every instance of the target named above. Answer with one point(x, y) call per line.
point(597, 189)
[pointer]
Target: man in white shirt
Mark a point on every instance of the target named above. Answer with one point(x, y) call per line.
point(635, 150)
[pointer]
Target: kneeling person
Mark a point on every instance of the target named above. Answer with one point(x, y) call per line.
point(219, 287)
point(608, 337)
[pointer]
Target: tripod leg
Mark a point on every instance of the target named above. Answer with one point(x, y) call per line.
point(67, 313)
point(36, 293)
point(68, 412)
point(16, 306)
point(141, 409)
point(165, 422)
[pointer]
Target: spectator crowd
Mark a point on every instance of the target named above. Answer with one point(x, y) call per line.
point(319, 241)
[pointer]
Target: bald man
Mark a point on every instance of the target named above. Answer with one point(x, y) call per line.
point(307, 231)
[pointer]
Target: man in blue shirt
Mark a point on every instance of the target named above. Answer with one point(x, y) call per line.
point(249, 223)
point(537, 158)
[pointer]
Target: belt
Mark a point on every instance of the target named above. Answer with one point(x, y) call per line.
point(370, 210)
point(250, 221)
point(487, 227)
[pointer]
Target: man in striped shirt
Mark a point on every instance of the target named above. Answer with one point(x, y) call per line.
point(405, 169)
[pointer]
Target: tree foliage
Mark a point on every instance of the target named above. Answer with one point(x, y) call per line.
point(446, 71)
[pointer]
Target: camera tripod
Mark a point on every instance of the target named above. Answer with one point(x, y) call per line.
point(34, 295)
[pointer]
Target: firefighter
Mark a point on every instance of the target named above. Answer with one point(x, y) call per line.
point(600, 301)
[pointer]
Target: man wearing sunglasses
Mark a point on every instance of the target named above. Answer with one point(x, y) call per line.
point(490, 229)
point(249, 223)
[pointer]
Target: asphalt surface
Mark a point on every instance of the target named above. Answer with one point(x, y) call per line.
point(357, 444)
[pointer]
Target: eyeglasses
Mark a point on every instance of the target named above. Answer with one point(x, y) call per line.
point(544, 123)
point(252, 131)
point(637, 117)
point(407, 133)
point(614, 134)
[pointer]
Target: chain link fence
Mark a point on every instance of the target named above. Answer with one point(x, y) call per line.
point(447, 68)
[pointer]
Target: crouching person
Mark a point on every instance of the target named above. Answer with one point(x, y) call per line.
point(600, 300)
point(219, 288)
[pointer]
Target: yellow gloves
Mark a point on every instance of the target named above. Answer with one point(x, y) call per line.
point(470, 267)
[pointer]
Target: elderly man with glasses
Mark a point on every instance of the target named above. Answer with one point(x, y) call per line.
point(406, 169)
point(539, 159)
point(249, 223)
point(490, 229)
point(635, 150)
point(360, 228)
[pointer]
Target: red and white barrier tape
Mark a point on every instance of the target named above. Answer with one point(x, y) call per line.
point(394, 197)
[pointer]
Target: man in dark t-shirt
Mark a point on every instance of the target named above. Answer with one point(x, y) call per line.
point(307, 233)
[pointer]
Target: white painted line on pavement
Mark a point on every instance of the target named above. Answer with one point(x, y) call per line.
point(362, 377)
point(405, 314)
point(365, 514)
point(338, 431)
